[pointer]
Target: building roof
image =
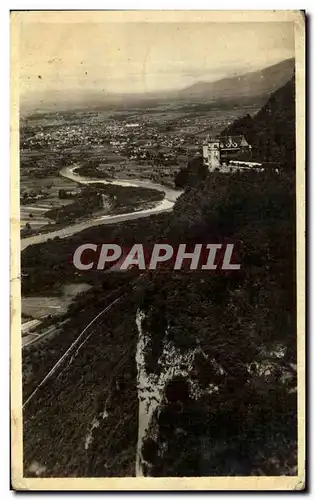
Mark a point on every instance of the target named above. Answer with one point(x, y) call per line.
point(229, 141)
point(233, 141)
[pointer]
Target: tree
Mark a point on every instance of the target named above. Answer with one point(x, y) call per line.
point(193, 174)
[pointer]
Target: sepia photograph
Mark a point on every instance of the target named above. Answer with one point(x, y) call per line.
point(158, 250)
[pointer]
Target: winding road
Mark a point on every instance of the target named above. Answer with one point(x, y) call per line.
point(166, 205)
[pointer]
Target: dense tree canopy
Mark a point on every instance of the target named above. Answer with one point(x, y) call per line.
point(234, 413)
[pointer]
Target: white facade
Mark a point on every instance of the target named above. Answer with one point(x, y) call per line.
point(211, 155)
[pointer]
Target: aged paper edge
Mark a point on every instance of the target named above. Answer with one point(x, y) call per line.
point(199, 483)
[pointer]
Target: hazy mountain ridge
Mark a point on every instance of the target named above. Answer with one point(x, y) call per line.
point(254, 83)
point(247, 86)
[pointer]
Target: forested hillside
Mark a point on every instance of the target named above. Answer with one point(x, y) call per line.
point(232, 411)
point(272, 131)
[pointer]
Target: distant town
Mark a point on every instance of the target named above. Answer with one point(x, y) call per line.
point(121, 143)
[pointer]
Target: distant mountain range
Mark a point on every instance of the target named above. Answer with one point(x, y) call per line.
point(256, 83)
point(242, 89)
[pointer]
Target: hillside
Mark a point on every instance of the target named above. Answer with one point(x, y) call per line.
point(227, 397)
point(253, 84)
point(272, 131)
point(234, 410)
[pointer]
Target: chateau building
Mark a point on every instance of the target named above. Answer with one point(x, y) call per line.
point(226, 153)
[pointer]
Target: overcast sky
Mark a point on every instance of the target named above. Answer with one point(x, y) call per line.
point(139, 57)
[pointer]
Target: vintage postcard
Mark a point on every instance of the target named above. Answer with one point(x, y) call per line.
point(158, 250)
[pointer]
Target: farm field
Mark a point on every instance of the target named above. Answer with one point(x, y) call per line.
point(39, 307)
point(34, 212)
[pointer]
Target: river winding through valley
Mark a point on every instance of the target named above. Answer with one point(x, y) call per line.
point(166, 205)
